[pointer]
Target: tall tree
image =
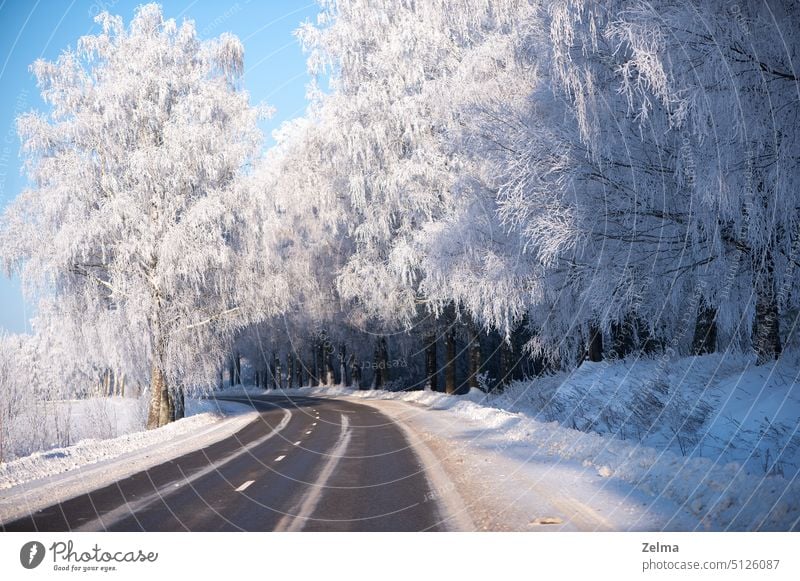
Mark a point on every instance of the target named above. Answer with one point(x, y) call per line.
point(133, 204)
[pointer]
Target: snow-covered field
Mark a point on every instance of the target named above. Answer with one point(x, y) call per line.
point(42, 478)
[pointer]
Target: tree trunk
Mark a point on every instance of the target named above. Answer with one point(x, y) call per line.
point(167, 409)
point(312, 368)
point(231, 372)
point(385, 359)
point(431, 367)
point(381, 375)
point(289, 371)
point(238, 369)
point(278, 373)
point(377, 377)
point(271, 372)
point(506, 364)
point(766, 326)
point(320, 363)
point(475, 361)
point(355, 373)
point(594, 351)
point(621, 339)
point(450, 360)
point(330, 376)
point(648, 341)
point(178, 404)
point(157, 384)
point(300, 372)
point(343, 365)
point(705, 329)
point(160, 412)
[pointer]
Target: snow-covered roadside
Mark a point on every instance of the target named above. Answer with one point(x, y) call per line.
point(41, 479)
point(501, 491)
point(513, 470)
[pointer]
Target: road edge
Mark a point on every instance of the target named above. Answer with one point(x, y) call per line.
point(29, 497)
point(452, 508)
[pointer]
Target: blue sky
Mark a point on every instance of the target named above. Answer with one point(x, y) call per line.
point(275, 71)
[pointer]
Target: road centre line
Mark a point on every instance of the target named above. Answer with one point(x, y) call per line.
point(296, 520)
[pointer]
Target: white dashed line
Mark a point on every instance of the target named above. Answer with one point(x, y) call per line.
point(279, 458)
point(308, 432)
point(297, 443)
point(300, 515)
point(245, 485)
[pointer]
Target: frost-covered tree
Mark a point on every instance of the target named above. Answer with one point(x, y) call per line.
point(545, 162)
point(388, 64)
point(399, 162)
point(589, 187)
point(726, 75)
point(131, 220)
point(642, 201)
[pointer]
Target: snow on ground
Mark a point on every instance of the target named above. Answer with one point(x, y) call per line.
point(505, 486)
point(720, 407)
point(33, 482)
point(574, 451)
point(715, 478)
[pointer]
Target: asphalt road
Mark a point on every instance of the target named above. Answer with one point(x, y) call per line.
point(306, 464)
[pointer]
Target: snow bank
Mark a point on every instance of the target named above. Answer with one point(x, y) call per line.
point(721, 407)
point(201, 414)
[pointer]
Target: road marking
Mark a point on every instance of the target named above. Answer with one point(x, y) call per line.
point(308, 432)
point(314, 424)
point(281, 457)
point(102, 522)
point(296, 519)
point(245, 485)
point(297, 443)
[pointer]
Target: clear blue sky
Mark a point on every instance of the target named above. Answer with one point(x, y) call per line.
point(275, 70)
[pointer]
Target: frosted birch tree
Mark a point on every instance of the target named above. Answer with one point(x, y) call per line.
point(725, 72)
point(589, 187)
point(131, 218)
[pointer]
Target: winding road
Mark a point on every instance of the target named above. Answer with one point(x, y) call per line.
point(306, 463)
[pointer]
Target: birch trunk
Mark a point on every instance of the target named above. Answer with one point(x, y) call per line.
point(431, 367)
point(766, 326)
point(450, 360)
point(475, 361)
